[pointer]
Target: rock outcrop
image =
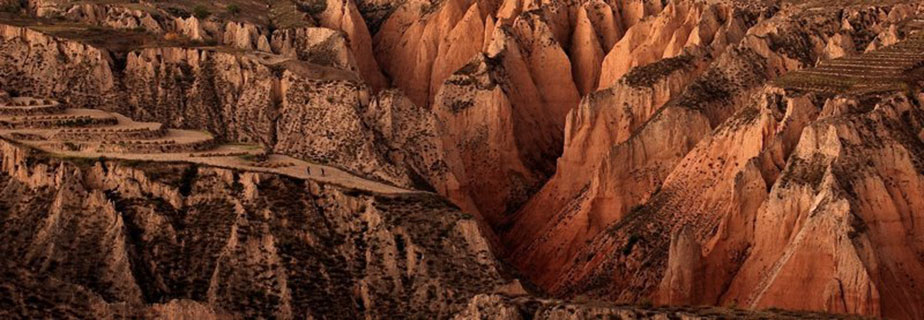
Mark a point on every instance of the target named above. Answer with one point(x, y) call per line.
point(545, 55)
point(606, 233)
point(124, 237)
point(621, 143)
point(343, 15)
point(273, 100)
point(785, 154)
point(752, 154)
point(845, 202)
point(33, 63)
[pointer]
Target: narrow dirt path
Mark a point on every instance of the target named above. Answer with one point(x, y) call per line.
point(170, 145)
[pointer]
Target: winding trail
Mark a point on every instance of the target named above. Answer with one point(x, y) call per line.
point(86, 133)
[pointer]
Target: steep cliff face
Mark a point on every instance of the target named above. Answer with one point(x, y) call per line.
point(35, 64)
point(319, 120)
point(845, 204)
point(478, 120)
point(516, 122)
point(721, 199)
point(551, 52)
point(109, 239)
point(620, 145)
point(220, 92)
point(712, 195)
point(321, 46)
point(679, 26)
point(291, 106)
point(625, 149)
point(343, 15)
point(785, 187)
point(544, 55)
point(294, 108)
point(411, 137)
point(621, 150)
point(182, 239)
point(252, 26)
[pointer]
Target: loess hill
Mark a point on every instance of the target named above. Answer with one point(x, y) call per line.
point(461, 159)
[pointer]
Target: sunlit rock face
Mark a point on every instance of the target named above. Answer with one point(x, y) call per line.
point(754, 154)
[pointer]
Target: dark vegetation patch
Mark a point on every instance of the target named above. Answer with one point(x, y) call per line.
point(233, 9)
point(807, 172)
point(648, 75)
point(312, 7)
point(711, 87)
point(201, 12)
point(630, 243)
point(376, 13)
point(796, 45)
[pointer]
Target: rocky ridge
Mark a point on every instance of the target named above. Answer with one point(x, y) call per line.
point(241, 96)
point(129, 240)
point(114, 239)
point(718, 200)
point(688, 152)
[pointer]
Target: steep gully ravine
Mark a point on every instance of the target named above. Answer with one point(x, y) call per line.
point(490, 99)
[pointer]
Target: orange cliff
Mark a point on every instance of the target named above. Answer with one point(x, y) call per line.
point(798, 195)
point(607, 167)
point(753, 154)
point(546, 55)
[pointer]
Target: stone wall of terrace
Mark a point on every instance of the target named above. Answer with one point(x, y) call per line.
point(156, 146)
point(29, 107)
point(48, 122)
point(110, 134)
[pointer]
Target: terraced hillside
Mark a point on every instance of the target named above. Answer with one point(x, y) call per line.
point(894, 67)
point(48, 126)
point(89, 131)
point(467, 159)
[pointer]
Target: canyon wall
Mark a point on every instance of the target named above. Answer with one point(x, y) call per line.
point(793, 174)
point(290, 106)
point(136, 238)
point(615, 231)
point(691, 152)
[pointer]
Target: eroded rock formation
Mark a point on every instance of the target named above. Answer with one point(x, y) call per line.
point(730, 187)
point(756, 154)
point(124, 238)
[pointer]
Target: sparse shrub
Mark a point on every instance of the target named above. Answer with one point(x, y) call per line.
point(312, 7)
point(201, 12)
point(178, 12)
point(636, 208)
point(233, 9)
point(71, 146)
point(633, 239)
point(10, 8)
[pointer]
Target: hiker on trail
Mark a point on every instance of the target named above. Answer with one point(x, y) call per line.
point(322, 171)
point(309, 170)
